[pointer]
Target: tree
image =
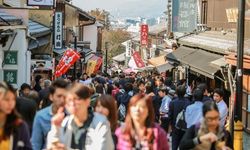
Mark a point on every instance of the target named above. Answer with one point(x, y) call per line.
point(102, 16)
point(115, 39)
point(98, 14)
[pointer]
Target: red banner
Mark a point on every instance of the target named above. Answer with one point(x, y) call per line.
point(69, 58)
point(138, 61)
point(144, 34)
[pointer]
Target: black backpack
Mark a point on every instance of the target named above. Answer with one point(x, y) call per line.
point(181, 123)
point(123, 101)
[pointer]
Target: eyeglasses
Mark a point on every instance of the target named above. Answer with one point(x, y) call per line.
point(210, 119)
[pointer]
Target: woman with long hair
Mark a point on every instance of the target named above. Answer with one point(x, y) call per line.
point(139, 130)
point(207, 135)
point(14, 132)
point(106, 105)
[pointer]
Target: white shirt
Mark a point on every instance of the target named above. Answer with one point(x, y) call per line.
point(222, 106)
point(165, 105)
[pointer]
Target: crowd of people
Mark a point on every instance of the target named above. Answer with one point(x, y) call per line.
point(123, 112)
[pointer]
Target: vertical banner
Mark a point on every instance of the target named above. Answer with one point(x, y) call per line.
point(138, 61)
point(128, 48)
point(144, 35)
point(58, 30)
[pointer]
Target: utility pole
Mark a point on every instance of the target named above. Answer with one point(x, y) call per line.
point(239, 84)
point(106, 57)
point(240, 53)
point(75, 48)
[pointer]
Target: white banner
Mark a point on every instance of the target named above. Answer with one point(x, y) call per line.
point(58, 30)
point(128, 48)
point(40, 2)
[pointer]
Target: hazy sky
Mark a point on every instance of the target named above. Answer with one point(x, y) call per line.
point(125, 8)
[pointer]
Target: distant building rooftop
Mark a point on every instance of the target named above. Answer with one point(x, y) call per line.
point(156, 29)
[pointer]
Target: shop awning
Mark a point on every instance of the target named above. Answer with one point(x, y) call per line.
point(181, 52)
point(156, 61)
point(164, 67)
point(119, 58)
point(219, 63)
point(200, 62)
point(160, 63)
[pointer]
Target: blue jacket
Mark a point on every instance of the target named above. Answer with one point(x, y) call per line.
point(41, 127)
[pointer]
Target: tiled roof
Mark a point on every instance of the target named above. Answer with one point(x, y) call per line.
point(214, 41)
point(37, 29)
point(246, 48)
point(7, 19)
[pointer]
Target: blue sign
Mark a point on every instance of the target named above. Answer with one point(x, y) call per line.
point(184, 15)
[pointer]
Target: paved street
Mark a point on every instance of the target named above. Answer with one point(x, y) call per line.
point(246, 141)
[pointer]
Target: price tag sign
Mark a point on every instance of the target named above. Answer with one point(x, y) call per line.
point(10, 57)
point(10, 76)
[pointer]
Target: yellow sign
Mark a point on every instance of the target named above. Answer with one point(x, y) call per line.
point(91, 66)
point(232, 14)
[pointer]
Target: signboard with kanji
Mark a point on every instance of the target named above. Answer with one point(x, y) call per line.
point(144, 34)
point(10, 76)
point(58, 30)
point(138, 61)
point(184, 14)
point(128, 48)
point(40, 2)
point(10, 57)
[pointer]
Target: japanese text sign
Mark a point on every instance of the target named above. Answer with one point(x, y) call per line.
point(58, 30)
point(144, 34)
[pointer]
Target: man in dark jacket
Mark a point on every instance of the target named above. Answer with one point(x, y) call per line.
point(175, 107)
point(204, 89)
point(44, 95)
point(25, 106)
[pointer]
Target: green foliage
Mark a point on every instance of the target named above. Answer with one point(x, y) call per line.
point(115, 39)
